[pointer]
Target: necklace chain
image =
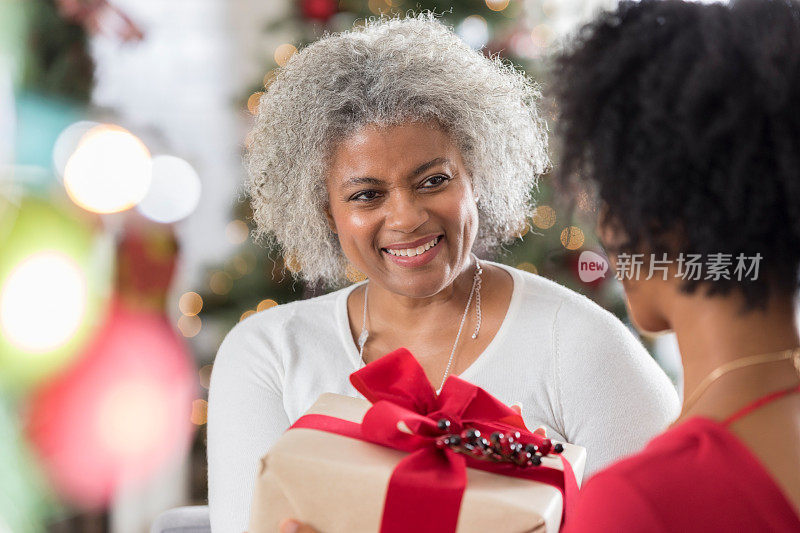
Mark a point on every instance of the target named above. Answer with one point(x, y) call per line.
point(793, 353)
point(474, 291)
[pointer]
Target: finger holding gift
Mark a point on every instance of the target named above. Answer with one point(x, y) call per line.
point(293, 526)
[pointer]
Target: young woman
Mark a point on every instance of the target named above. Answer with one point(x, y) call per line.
point(685, 119)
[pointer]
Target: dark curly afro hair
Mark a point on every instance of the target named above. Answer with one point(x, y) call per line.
point(684, 119)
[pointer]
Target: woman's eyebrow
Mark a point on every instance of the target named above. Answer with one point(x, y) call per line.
point(432, 163)
point(368, 180)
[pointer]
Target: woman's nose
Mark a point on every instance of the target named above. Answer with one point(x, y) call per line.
point(405, 212)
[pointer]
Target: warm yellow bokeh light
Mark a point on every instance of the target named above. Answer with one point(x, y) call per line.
point(43, 301)
point(205, 376)
point(292, 264)
point(354, 275)
point(252, 103)
point(199, 412)
point(269, 77)
point(497, 5)
point(190, 303)
point(237, 266)
point(572, 237)
point(544, 217)
point(190, 325)
point(110, 171)
point(266, 304)
point(249, 312)
point(528, 267)
point(236, 231)
point(131, 419)
point(283, 53)
point(220, 283)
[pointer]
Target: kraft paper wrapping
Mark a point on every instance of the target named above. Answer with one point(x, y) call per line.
point(338, 484)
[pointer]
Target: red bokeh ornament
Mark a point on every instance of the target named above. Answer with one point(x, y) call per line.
point(321, 10)
point(120, 413)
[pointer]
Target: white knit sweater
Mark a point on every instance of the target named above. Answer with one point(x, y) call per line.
point(575, 368)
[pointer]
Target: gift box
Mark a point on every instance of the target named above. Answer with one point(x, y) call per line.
point(409, 460)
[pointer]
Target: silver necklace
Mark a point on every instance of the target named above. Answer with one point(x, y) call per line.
point(475, 291)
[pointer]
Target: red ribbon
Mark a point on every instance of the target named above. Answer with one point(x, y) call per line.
point(431, 480)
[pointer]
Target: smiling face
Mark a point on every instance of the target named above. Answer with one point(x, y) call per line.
point(402, 205)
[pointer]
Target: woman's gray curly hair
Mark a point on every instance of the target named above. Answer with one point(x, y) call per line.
point(387, 72)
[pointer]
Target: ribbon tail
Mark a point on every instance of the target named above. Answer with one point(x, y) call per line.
point(570, 493)
point(424, 493)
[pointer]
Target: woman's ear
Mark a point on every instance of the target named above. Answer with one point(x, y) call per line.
point(329, 217)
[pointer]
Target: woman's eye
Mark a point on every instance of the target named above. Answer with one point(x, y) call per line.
point(365, 196)
point(434, 181)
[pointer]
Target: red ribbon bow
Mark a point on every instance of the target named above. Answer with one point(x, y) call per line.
point(404, 415)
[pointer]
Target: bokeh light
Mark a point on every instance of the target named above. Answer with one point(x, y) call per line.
point(544, 217)
point(110, 171)
point(497, 5)
point(474, 31)
point(190, 303)
point(236, 231)
point(292, 264)
point(119, 414)
point(43, 302)
point(283, 53)
point(353, 274)
point(572, 237)
point(174, 190)
point(199, 412)
point(265, 304)
point(252, 102)
point(528, 267)
point(220, 283)
point(55, 278)
point(205, 375)
point(246, 314)
point(189, 325)
point(68, 141)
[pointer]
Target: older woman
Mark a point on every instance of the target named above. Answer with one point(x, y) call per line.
point(397, 151)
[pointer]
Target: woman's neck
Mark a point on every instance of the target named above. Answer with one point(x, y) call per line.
point(712, 332)
point(409, 312)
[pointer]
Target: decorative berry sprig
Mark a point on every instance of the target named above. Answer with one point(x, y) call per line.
point(499, 447)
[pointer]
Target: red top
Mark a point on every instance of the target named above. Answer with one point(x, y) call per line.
point(697, 476)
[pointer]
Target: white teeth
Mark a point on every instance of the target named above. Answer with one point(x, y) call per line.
point(411, 252)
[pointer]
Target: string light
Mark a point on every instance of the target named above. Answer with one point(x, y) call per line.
point(497, 5)
point(189, 325)
point(236, 231)
point(263, 305)
point(220, 283)
point(572, 237)
point(199, 412)
point(543, 217)
point(190, 303)
point(283, 53)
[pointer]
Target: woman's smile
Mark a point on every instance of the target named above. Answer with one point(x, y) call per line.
point(414, 254)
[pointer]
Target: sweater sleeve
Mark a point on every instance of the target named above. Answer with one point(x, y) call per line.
point(245, 416)
point(613, 396)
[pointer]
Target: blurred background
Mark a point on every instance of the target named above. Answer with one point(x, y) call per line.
point(125, 249)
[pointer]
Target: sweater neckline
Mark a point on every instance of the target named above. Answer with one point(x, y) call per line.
point(513, 307)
